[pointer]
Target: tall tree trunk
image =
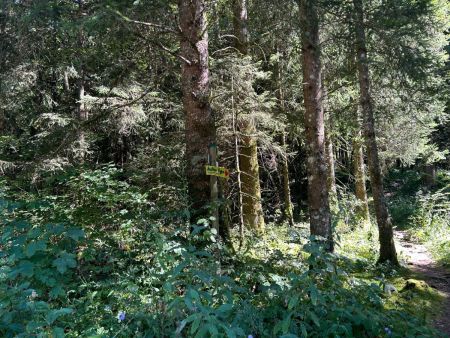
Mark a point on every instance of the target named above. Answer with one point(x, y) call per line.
point(287, 204)
point(331, 181)
point(430, 175)
point(214, 187)
point(199, 121)
point(319, 208)
point(387, 246)
point(82, 115)
point(238, 168)
point(240, 20)
point(362, 210)
point(251, 190)
point(4, 47)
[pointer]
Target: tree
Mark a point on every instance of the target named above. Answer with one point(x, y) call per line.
point(359, 174)
point(319, 209)
point(386, 235)
point(329, 155)
point(199, 122)
point(253, 216)
point(287, 204)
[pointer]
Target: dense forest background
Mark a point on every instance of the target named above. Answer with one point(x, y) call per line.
point(329, 120)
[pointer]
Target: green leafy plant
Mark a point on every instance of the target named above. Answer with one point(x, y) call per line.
point(36, 272)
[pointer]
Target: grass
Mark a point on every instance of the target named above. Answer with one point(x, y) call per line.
point(281, 249)
point(423, 213)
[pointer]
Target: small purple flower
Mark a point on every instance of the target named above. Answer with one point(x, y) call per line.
point(250, 336)
point(388, 331)
point(121, 316)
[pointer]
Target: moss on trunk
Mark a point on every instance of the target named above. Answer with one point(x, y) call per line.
point(251, 191)
point(362, 209)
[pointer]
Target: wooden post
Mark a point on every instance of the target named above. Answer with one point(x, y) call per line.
point(214, 184)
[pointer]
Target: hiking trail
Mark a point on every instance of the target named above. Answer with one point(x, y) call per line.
point(419, 260)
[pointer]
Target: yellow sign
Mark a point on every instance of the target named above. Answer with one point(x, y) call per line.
point(217, 171)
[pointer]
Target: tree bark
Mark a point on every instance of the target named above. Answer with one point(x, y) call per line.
point(430, 175)
point(287, 205)
point(3, 57)
point(238, 168)
point(362, 209)
point(251, 191)
point(386, 236)
point(288, 211)
point(82, 115)
point(253, 217)
point(214, 187)
point(240, 20)
point(319, 208)
point(199, 121)
point(331, 181)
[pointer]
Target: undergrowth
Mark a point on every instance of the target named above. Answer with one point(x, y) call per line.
point(96, 258)
point(423, 213)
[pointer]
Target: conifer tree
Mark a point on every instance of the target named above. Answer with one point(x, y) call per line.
point(253, 216)
point(386, 235)
point(319, 209)
point(360, 178)
point(199, 122)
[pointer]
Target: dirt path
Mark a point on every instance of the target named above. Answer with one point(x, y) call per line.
point(419, 260)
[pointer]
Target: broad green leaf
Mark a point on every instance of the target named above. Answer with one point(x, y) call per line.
point(7, 232)
point(56, 292)
point(286, 324)
point(293, 302)
point(25, 268)
point(75, 234)
point(313, 295)
point(212, 329)
point(35, 246)
point(32, 326)
point(58, 332)
point(225, 308)
point(65, 262)
point(314, 318)
point(195, 325)
point(230, 333)
point(55, 314)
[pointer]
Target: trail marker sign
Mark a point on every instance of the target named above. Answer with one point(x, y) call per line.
point(217, 171)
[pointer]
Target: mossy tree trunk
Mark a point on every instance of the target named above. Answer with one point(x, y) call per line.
point(199, 122)
point(362, 209)
point(288, 212)
point(3, 57)
point(386, 235)
point(287, 204)
point(331, 181)
point(319, 208)
point(253, 217)
point(430, 175)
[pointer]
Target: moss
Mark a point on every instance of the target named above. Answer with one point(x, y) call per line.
point(251, 191)
point(280, 251)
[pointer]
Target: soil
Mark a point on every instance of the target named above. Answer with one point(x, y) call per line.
point(419, 260)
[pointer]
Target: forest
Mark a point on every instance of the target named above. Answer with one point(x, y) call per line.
point(224, 168)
